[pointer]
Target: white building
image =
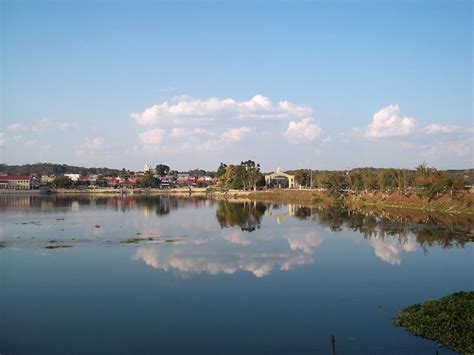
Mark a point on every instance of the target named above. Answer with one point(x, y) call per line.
point(148, 168)
point(73, 177)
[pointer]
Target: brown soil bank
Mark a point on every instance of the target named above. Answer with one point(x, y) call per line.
point(461, 203)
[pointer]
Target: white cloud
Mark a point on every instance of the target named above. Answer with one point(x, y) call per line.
point(327, 140)
point(235, 134)
point(152, 136)
point(2, 139)
point(463, 148)
point(440, 129)
point(186, 108)
point(389, 122)
point(302, 130)
point(17, 127)
point(67, 125)
point(41, 125)
point(187, 132)
point(90, 146)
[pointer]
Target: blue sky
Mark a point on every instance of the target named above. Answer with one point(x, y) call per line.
point(322, 85)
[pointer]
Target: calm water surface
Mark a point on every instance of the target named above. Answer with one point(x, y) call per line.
point(193, 275)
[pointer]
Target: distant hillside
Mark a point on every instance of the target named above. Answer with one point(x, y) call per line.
point(56, 169)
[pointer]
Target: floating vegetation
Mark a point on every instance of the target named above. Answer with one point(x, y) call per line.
point(57, 246)
point(448, 321)
point(137, 240)
point(31, 222)
point(172, 240)
point(3, 244)
point(52, 241)
point(59, 219)
point(97, 226)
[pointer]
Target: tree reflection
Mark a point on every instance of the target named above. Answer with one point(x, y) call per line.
point(385, 224)
point(246, 215)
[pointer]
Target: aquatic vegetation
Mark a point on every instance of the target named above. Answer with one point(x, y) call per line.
point(59, 219)
point(30, 222)
point(449, 321)
point(57, 246)
point(137, 240)
point(97, 226)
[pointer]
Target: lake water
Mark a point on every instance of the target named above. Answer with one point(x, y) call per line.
point(148, 275)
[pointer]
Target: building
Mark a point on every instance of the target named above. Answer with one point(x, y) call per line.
point(45, 178)
point(73, 177)
point(148, 169)
point(15, 182)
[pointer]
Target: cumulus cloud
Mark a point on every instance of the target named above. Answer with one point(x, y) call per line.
point(152, 136)
point(235, 134)
point(90, 146)
point(389, 122)
point(186, 108)
point(302, 130)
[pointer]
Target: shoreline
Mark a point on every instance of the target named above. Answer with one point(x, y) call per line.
point(460, 204)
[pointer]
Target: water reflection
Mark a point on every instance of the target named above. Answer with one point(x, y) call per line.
point(247, 215)
point(188, 262)
point(253, 236)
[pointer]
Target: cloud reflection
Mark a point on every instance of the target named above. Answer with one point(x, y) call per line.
point(307, 242)
point(188, 262)
point(390, 250)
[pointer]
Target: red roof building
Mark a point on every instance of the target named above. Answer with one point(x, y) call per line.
point(15, 182)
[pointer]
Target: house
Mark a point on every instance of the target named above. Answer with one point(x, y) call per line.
point(111, 181)
point(15, 182)
point(73, 177)
point(45, 178)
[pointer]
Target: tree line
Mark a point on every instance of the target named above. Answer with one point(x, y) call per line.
point(245, 176)
point(427, 181)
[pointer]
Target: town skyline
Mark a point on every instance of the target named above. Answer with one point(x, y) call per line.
point(226, 82)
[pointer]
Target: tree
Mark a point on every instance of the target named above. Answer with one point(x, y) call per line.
point(429, 181)
point(251, 174)
point(62, 182)
point(335, 183)
point(355, 180)
point(149, 180)
point(100, 181)
point(302, 177)
point(162, 169)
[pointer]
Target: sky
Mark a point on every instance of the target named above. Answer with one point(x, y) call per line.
point(190, 84)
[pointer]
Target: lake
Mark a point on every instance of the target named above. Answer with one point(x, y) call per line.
point(161, 274)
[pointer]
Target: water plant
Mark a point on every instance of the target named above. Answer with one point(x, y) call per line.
point(449, 321)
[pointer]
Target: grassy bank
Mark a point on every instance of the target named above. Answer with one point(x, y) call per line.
point(448, 321)
point(463, 203)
